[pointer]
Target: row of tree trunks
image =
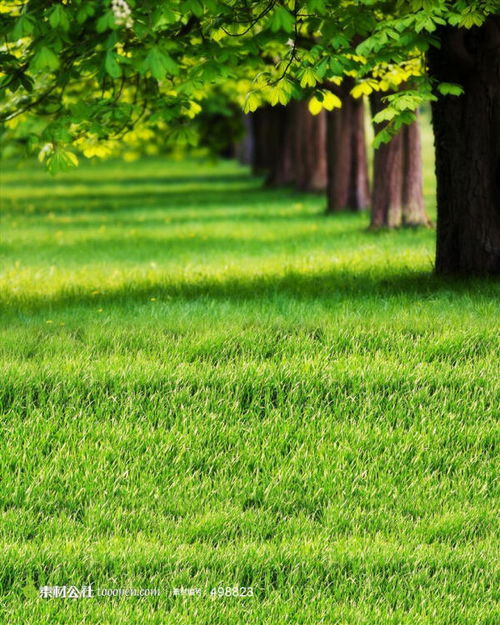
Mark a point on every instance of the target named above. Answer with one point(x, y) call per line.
point(315, 152)
point(328, 151)
point(467, 139)
point(290, 146)
point(348, 182)
point(397, 198)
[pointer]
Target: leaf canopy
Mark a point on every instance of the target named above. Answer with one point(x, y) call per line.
point(97, 68)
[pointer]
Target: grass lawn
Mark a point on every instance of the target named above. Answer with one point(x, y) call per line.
point(204, 384)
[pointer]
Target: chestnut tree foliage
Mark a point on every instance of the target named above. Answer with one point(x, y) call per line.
point(89, 70)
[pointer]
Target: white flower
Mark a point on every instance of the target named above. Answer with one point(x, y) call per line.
point(122, 13)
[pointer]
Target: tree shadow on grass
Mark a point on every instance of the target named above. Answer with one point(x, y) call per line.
point(140, 245)
point(331, 286)
point(126, 180)
point(236, 216)
point(76, 203)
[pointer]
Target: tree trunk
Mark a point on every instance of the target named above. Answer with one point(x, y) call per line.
point(290, 146)
point(413, 198)
point(397, 177)
point(348, 184)
point(467, 136)
point(245, 147)
point(308, 147)
point(266, 128)
point(281, 171)
point(387, 199)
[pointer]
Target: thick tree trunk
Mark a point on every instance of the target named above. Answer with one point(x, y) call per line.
point(467, 135)
point(348, 183)
point(397, 178)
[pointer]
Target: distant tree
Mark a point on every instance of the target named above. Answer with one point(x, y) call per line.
point(348, 181)
point(290, 146)
point(398, 182)
point(245, 146)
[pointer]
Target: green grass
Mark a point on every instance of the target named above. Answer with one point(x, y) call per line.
point(205, 383)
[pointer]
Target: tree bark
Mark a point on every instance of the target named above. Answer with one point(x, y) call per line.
point(413, 196)
point(348, 183)
point(387, 198)
point(308, 148)
point(397, 177)
point(467, 137)
point(290, 146)
point(281, 171)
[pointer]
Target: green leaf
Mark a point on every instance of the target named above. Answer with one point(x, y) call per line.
point(24, 27)
point(111, 64)
point(58, 159)
point(339, 41)
point(44, 59)
point(111, 41)
point(316, 6)
point(308, 78)
point(384, 136)
point(252, 102)
point(159, 64)
point(385, 115)
point(282, 20)
point(170, 65)
point(278, 94)
point(184, 135)
point(472, 19)
point(447, 88)
point(193, 6)
point(405, 118)
point(424, 21)
point(106, 22)
point(85, 11)
point(163, 16)
point(58, 18)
